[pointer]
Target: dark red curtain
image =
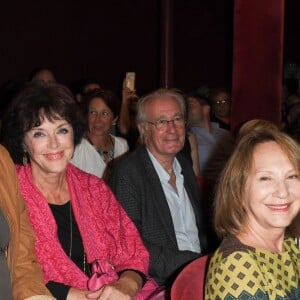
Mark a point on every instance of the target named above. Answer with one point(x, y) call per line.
point(257, 60)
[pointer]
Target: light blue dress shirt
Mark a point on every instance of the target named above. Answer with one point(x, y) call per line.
point(180, 207)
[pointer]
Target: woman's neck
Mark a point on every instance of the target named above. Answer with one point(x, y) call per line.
point(54, 187)
point(267, 240)
point(225, 120)
point(103, 142)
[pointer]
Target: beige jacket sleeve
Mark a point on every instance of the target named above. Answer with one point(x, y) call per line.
point(26, 275)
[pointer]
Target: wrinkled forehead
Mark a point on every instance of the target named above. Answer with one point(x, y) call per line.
point(267, 153)
point(159, 106)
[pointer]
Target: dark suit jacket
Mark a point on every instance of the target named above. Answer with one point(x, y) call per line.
point(138, 188)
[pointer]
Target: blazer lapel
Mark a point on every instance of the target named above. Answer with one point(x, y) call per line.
point(161, 204)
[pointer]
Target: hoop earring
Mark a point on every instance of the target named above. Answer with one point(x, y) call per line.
point(25, 159)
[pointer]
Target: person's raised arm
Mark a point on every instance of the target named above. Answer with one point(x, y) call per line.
point(124, 122)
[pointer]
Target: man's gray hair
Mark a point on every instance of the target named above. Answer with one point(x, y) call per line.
point(160, 93)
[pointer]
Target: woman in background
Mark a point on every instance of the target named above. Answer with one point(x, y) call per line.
point(99, 148)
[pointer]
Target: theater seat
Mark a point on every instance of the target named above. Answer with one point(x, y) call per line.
point(189, 284)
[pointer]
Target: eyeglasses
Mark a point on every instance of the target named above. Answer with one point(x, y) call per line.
point(222, 101)
point(162, 124)
point(103, 114)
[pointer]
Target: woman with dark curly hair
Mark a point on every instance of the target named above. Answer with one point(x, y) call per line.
point(75, 216)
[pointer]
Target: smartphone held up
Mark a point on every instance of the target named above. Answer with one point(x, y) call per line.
point(130, 81)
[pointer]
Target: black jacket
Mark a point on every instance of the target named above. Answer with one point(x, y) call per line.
point(137, 187)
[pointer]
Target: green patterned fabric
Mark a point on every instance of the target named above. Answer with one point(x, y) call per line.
point(237, 271)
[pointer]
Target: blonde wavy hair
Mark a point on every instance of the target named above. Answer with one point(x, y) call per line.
point(229, 206)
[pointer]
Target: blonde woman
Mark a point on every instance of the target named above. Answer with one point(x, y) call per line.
point(258, 197)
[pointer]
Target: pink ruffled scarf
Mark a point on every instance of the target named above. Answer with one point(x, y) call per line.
point(94, 208)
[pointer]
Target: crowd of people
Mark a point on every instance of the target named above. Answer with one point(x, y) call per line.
point(108, 198)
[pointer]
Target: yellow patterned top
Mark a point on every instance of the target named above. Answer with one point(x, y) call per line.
point(237, 271)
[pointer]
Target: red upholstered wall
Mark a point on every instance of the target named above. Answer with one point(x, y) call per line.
point(257, 60)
